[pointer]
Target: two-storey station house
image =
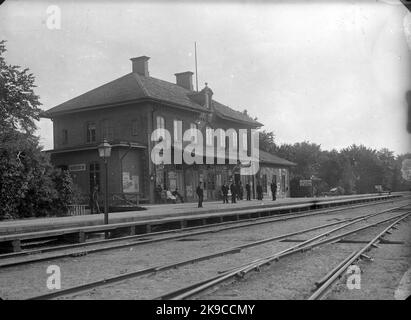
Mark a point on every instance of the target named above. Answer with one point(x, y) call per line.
point(125, 112)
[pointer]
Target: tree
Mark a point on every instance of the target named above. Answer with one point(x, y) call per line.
point(29, 185)
point(366, 167)
point(19, 105)
point(266, 142)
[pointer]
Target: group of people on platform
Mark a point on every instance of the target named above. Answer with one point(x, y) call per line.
point(165, 195)
point(237, 192)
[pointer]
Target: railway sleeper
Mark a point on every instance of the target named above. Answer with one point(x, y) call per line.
point(77, 237)
point(121, 232)
point(10, 246)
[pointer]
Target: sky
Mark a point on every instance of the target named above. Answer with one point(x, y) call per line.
point(334, 73)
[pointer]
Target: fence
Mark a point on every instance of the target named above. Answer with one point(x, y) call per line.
point(76, 209)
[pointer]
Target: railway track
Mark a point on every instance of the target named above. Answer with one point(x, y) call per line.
point(331, 277)
point(241, 270)
point(81, 249)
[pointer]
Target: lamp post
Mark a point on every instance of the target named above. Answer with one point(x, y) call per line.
point(104, 151)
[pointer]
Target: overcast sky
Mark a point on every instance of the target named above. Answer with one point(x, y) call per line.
point(331, 73)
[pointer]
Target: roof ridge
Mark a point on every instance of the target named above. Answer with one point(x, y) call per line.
point(140, 83)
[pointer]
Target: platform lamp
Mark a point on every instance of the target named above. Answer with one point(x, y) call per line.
point(104, 151)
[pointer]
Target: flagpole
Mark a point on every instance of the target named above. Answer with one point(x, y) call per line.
point(195, 54)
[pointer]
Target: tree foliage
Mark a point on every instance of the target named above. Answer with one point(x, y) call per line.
point(355, 169)
point(29, 185)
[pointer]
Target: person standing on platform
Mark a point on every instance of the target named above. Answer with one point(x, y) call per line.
point(248, 190)
point(233, 189)
point(157, 192)
point(274, 190)
point(94, 201)
point(259, 191)
point(200, 194)
point(240, 191)
point(224, 191)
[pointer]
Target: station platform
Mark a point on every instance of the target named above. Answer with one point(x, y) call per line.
point(158, 211)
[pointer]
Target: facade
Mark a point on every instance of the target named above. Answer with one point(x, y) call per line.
point(125, 112)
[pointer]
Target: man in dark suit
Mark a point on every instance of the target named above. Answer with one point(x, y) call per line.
point(224, 191)
point(240, 191)
point(200, 194)
point(259, 191)
point(248, 190)
point(233, 189)
point(273, 189)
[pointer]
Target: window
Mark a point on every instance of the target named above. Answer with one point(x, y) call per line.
point(160, 125)
point(235, 139)
point(283, 183)
point(222, 138)
point(244, 142)
point(193, 128)
point(209, 136)
point(91, 132)
point(178, 130)
point(64, 139)
point(231, 135)
point(107, 131)
point(264, 183)
point(134, 127)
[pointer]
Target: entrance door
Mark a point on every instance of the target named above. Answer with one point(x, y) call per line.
point(191, 183)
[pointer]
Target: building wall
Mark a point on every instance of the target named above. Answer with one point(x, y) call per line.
point(124, 176)
point(283, 184)
point(120, 119)
point(135, 172)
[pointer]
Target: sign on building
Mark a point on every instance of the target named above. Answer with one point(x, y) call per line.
point(306, 183)
point(130, 183)
point(77, 167)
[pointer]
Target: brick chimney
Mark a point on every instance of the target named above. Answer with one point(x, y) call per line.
point(185, 80)
point(140, 65)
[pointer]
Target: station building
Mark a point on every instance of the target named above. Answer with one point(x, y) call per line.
point(125, 112)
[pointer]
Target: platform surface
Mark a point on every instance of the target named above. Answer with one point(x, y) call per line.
point(155, 211)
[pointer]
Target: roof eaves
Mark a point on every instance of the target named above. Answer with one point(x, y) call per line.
point(249, 122)
point(48, 114)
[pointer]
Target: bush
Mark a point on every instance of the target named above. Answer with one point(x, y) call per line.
point(29, 185)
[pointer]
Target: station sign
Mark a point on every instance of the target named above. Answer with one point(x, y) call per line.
point(306, 183)
point(77, 167)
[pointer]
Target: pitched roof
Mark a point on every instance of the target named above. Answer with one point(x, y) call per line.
point(226, 112)
point(133, 86)
point(270, 158)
